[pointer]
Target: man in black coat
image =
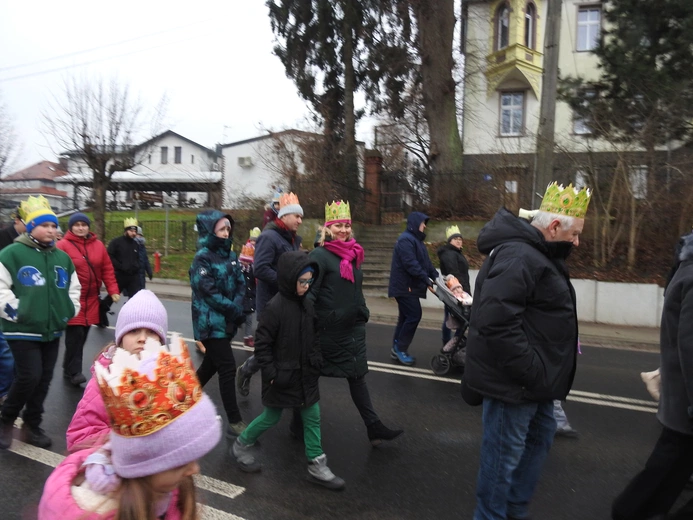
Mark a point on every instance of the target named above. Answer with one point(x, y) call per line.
point(522, 346)
point(9, 233)
point(125, 256)
point(453, 262)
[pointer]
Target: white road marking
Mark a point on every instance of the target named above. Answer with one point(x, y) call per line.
point(213, 485)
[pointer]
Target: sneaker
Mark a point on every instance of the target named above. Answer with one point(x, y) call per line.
point(568, 432)
point(6, 429)
point(319, 473)
point(653, 383)
point(35, 436)
point(378, 432)
point(402, 357)
point(235, 429)
point(246, 460)
point(242, 381)
point(77, 380)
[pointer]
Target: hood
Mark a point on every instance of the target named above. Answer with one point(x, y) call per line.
point(25, 239)
point(205, 228)
point(414, 221)
point(687, 248)
point(506, 227)
point(289, 268)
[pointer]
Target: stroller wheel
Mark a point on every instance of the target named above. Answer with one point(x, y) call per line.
point(440, 364)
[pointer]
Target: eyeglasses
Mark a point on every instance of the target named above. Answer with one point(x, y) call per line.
point(306, 283)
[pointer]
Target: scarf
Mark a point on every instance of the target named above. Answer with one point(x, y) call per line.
point(348, 251)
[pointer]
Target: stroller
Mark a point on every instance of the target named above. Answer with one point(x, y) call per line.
point(453, 352)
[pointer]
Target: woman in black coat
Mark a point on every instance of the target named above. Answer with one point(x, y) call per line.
point(342, 314)
point(453, 262)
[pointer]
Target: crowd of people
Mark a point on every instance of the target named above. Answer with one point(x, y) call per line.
point(143, 420)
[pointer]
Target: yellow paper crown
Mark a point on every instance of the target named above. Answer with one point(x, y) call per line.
point(130, 222)
point(339, 210)
point(255, 232)
point(452, 230)
point(569, 201)
point(287, 199)
point(147, 391)
point(34, 207)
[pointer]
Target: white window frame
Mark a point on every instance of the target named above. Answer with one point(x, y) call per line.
point(637, 177)
point(504, 8)
point(581, 178)
point(512, 108)
point(589, 30)
point(581, 125)
point(530, 33)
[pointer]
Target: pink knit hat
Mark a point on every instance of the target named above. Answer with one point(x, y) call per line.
point(142, 311)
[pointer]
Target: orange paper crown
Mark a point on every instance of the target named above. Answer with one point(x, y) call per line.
point(452, 282)
point(287, 199)
point(144, 393)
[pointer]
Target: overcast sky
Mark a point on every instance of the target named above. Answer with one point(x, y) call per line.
point(212, 58)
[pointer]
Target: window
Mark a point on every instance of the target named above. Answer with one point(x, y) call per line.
point(512, 113)
point(511, 187)
point(581, 178)
point(164, 155)
point(530, 18)
point(502, 27)
point(582, 118)
point(588, 28)
point(192, 159)
point(637, 176)
point(177, 153)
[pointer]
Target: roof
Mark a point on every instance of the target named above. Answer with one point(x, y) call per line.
point(130, 177)
point(171, 132)
point(43, 171)
point(43, 190)
point(270, 135)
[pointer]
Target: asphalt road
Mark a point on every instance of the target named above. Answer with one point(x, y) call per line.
point(429, 473)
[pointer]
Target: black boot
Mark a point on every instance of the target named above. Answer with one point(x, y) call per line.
point(378, 432)
point(36, 436)
point(6, 429)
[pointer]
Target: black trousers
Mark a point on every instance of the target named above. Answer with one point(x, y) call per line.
point(75, 338)
point(656, 488)
point(129, 284)
point(34, 362)
point(362, 399)
point(219, 359)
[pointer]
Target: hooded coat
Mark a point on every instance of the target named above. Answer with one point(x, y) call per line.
point(216, 280)
point(453, 262)
point(411, 268)
point(286, 342)
point(342, 315)
point(93, 267)
point(676, 346)
point(523, 333)
point(272, 243)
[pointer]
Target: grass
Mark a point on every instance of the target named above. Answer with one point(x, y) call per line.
point(174, 267)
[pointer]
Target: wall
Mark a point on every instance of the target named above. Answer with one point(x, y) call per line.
point(628, 304)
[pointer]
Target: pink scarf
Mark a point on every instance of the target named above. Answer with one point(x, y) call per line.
point(348, 251)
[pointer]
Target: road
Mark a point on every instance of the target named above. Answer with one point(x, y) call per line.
point(429, 473)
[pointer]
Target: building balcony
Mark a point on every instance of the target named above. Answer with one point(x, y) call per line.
point(515, 62)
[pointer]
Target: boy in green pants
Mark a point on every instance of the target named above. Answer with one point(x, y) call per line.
point(288, 352)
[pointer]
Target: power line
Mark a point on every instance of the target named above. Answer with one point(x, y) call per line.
point(76, 53)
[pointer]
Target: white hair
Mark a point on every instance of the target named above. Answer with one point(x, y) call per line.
point(543, 218)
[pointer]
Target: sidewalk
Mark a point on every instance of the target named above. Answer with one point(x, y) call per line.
point(384, 311)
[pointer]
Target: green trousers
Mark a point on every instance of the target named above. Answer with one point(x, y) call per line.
point(270, 416)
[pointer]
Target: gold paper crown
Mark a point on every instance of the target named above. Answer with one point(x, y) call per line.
point(144, 394)
point(34, 207)
point(130, 222)
point(569, 201)
point(287, 199)
point(255, 232)
point(452, 230)
point(339, 210)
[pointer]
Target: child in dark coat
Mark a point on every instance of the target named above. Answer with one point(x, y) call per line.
point(287, 349)
point(249, 306)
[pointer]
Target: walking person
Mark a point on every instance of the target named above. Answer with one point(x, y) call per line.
point(453, 262)
point(249, 306)
point(411, 273)
point(94, 268)
point(145, 265)
point(654, 491)
point(39, 294)
point(218, 288)
point(125, 256)
point(522, 346)
point(342, 314)
point(288, 351)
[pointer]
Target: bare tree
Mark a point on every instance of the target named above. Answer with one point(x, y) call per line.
point(98, 123)
point(8, 140)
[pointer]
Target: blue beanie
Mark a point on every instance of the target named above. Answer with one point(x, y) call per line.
point(78, 217)
point(41, 219)
point(307, 269)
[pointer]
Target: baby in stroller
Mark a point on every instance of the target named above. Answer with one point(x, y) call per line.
point(458, 302)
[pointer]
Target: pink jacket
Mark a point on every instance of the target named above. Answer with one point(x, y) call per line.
point(90, 425)
point(57, 501)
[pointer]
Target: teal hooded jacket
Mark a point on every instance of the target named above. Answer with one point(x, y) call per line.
point(216, 280)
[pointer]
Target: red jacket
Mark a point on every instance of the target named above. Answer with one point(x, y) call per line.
point(101, 271)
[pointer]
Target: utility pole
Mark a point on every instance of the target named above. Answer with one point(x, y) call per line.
point(547, 111)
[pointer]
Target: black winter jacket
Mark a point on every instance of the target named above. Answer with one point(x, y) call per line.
point(286, 341)
point(411, 266)
point(7, 236)
point(453, 262)
point(125, 255)
point(522, 343)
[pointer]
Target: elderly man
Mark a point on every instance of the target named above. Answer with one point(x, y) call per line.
point(522, 346)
